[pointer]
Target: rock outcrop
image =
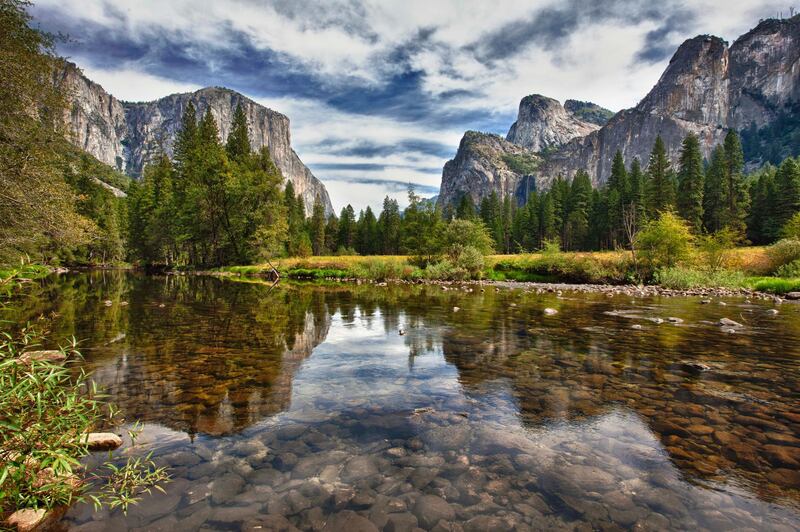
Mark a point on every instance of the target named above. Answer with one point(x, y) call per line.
point(707, 89)
point(543, 122)
point(126, 135)
point(485, 163)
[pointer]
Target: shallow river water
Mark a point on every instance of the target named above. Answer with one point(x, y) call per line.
point(306, 407)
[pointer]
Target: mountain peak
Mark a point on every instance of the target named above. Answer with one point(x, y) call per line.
point(542, 123)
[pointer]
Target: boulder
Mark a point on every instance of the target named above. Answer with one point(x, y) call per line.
point(430, 509)
point(102, 441)
point(52, 356)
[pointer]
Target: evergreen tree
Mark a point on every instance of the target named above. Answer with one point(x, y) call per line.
point(735, 198)
point(347, 228)
point(331, 233)
point(787, 194)
point(619, 193)
point(660, 185)
point(547, 219)
point(579, 211)
point(713, 198)
point(238, 145)
point(317, 227)
point(368, 233)
point(466, 208)
point(491, 212)
point(638, 182)
point(389, 226)
point(762, 226)
point(691, 182)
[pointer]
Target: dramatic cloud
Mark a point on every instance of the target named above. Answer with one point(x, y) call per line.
point(380, 91)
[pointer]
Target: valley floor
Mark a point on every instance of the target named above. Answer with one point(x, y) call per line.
point(746, 269)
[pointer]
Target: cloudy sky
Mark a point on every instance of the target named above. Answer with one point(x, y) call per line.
point(379, 92)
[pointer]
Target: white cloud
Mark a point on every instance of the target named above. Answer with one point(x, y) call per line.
point(133, 85)
point(359, 45)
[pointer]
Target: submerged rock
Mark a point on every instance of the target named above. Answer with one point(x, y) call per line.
point(550, 311)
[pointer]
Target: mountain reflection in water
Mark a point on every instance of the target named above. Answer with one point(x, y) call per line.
point(302, 406)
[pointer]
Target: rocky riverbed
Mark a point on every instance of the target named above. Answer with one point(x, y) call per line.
point(456, 407)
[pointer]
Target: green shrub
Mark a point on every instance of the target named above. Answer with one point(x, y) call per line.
point(789, 270)
point(45, 407)
point(783, 252)
point(664, 242)
point(682, 278)
point(792, 228)
point(715, 249)
point(471, 260)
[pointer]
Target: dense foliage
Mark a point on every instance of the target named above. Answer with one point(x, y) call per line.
point(46, 406)
point(53, 206)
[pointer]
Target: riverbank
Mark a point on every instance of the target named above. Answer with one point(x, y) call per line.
point(746, 271)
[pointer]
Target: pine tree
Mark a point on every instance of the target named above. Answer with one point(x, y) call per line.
point(389, 226)
point(787, 197)
point(547, 219)
point(368, 233)
point(638, 183)
point(317, 227)
point(713, 198)
point(238, 145)
point(660, 185)
point(762, 226)
point(580, 209)
point(734, 188)
point(331, 233)
point(691, 182)
point(466, 208)
point(347, 228)
point(619, 192)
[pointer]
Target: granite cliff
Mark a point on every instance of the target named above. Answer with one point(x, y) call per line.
point(126, 135)
point(543, 123)
point(486, 163)
point(708, 88)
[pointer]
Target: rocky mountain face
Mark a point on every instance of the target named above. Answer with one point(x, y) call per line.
point(707, 89)
point(588, 112)
point(543, 122)
point(485, 163)
point(126, 135)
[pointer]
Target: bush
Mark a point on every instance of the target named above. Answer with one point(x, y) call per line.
point(789, 270)
point(715, 249)
point(783, 252)
point(45, 407)
point(680, 278)
point(792, 228)
point(664, 242)
point(380, 270)
point(471, 260)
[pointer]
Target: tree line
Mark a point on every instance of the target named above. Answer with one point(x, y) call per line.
point(710, 195)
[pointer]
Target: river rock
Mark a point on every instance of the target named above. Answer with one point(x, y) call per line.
point(359, 467)
point(550, 311)
point(28, 519)
point(401, 522)
point(350, 521)
point(226, 487)
point(792, 295)
point(52, 356)
point(726, 322)
point(101, 441)
point(430, 509)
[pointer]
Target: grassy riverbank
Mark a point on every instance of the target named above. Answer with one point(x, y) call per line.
point(746, 267)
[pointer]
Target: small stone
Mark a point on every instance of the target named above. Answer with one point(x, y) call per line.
point(102, 441)
point(53, 356)
point(726, 322)
point(792, 295)
point(27, 520)
point(401, 331)
point(108, 302)
point(431, 509)
point(636, 327)
point(550, 311)
point(673, 319)
point(772, 311)
point(350, 521)
point(456, 309)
